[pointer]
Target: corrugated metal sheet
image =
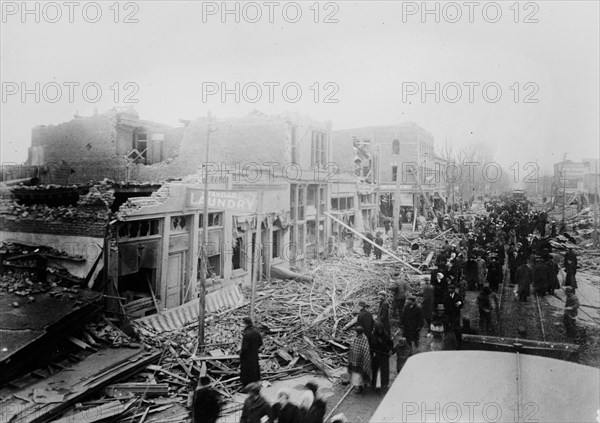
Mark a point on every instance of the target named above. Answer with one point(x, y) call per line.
point(178, 317)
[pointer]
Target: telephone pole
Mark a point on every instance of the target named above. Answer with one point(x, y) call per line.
point(204, 252)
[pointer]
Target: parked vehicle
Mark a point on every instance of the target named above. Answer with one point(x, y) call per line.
point(485, 386)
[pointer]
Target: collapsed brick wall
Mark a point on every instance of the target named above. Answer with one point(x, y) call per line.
point(88, 218)
point(91, 149)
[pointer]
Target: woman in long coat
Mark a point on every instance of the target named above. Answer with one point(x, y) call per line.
point(359, 361)
point(251, 343)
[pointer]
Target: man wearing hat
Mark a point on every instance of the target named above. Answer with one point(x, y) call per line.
point(384, 311)
point(570, 316)
point(412, 322)
point(256, 408)
point(251, 343)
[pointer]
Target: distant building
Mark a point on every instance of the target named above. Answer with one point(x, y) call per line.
point(405, 151)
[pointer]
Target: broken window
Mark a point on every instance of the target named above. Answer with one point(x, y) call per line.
point(214, 219)
point(139, 146)
point(139, 229)
point(179, 224)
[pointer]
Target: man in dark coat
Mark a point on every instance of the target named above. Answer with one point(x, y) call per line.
point(364, 319)
point(552, 275)
point(256, 408)
point(570, 264)
point(399, 296)
point(440, 288)
point(206, 403)
point(453, 304)
point(316, 411)
point(494, 276)
point(524, 279)
point(384, 311)
point(381, 347)
point(412, 322)
point(251, 343)
point(378, 251)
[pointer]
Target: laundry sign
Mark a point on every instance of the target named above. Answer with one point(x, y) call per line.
point(240, 201)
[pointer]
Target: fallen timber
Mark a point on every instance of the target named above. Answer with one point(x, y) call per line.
point(24, 410)
point(542, 348)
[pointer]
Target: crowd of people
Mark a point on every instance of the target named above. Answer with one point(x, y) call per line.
point(511, 245)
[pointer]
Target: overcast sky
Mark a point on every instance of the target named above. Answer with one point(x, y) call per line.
point(372, 56)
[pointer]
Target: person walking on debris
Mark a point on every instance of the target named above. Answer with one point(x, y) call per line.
point(256, 409)
point(364, 319)
point(384, 312)
point(411, 323)
point(206, 403)
point(284, 411)
point(570, 264)
point(359, 361)
point(381, 347)
point(399, 296)
point(484, 303)
point(251, 343)
point(570, 316)
point(524, 279)
point(379, 242)
point(367, 246)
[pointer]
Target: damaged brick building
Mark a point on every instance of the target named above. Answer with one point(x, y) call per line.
point(115, 145)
